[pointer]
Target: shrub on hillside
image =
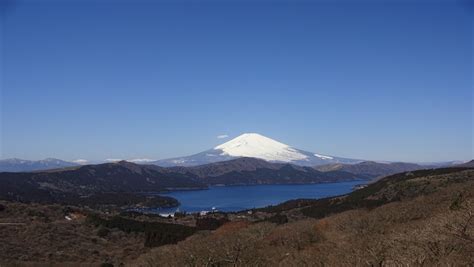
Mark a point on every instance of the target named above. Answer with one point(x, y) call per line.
point(208, 223)
point(156, 233)
point(278, 219)
point(103, 232)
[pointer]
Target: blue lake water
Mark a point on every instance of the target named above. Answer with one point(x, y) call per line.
point(235, 198)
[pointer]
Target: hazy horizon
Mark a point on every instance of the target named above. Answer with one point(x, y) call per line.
point(375, 81)
point(225, 138)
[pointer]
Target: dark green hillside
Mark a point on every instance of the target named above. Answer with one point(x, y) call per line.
point(104, 184)
point(392, 188)
point(245, 171)
point(421, 218)
point(285, 174)
point(370, 169)
point(156, 233)
point(410, 218)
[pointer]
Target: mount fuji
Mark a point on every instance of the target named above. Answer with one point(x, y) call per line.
point(255, 145)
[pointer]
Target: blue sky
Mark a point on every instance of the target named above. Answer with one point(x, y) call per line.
point(95, 80)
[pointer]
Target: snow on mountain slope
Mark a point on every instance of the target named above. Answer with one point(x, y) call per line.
point(258, 146)
point(323, 157)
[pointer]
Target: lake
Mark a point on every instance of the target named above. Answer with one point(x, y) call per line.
point(235, 198)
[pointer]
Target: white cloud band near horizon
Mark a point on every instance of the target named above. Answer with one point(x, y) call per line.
point(142, 160)
point(80, 161)
point(222, 136)
point(113, 160)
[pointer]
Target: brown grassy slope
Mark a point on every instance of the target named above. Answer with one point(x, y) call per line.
point(46, 238)
point(434, 227)
point(428, 219)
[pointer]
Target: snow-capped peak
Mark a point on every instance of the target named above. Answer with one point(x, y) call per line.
point(258, 146)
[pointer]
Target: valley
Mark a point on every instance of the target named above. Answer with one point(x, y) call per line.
point(158, 133)
point(237, 211)
point(365, 226)
point(243, 197)
point(124, 184)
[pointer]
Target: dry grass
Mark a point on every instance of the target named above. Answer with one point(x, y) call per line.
point(48, 238)
point(431, 225)
point(431, 230)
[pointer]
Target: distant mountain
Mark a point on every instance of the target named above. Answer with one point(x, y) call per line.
point(79, 183)
point(441, 164)
point(255, 146)
point(21, 165)
point(223, 167)
point(123, 182)
point(469, 164)
point(370, 169)
point(245, 171)
point(287, 174)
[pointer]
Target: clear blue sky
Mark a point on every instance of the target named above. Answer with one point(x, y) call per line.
point(94, 80)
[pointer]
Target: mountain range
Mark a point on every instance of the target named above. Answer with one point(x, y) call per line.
point(371, 169)
point(107, 183)
point(248, 145)
point(125, 182)
point(257, 171)
point(255, 145)
point(22, 165)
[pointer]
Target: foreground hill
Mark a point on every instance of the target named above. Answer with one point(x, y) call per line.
point(92, 184)
point(410, 219)
point(414, 218)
